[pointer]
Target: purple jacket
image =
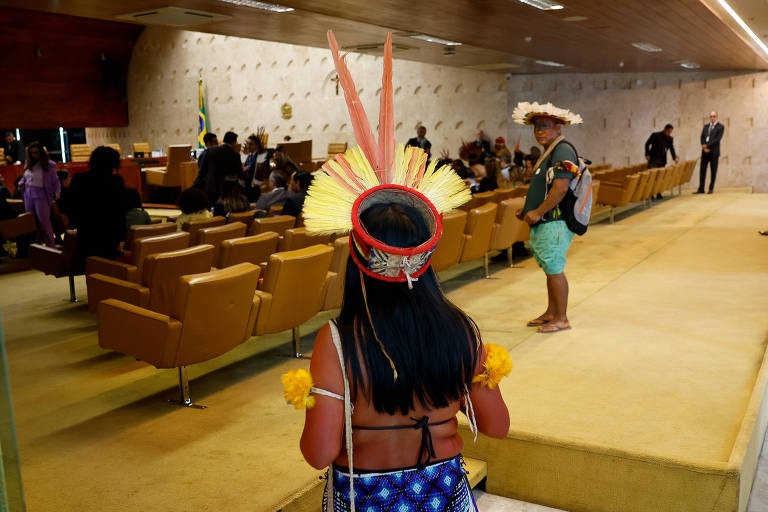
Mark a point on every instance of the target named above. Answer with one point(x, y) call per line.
point(51, 184)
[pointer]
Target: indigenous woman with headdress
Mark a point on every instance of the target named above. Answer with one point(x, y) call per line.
point(389, 376)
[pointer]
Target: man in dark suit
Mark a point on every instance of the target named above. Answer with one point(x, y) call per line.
point(656, 148)
point(14, 150)
point(220, 162)
point(420, 140)
point(710, 151)
point(483, 143)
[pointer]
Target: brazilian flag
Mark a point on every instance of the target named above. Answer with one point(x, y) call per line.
point(202, 119)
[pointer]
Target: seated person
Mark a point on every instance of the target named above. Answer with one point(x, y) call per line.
point(231, 200)
point(283, 163)
point(193, 204)
point(297, 193)
point(527, 172)
point(256, 168)
point(18, 188)
point(487, 175)
point(461, 169)
point(6, 210)
point(135, 215)
point(276, 194)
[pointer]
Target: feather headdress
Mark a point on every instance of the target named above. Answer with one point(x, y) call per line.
point(375, 172)
point(525, 112)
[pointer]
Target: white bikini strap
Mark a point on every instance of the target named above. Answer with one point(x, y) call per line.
point(347, 418)
point(325, 392)
point(470, 412)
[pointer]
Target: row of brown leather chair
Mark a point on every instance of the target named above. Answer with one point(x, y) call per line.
point(617, 191)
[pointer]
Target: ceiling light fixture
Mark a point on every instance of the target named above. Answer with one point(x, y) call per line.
point(743, 25)
point(544, 5)
point(647, 47)
point(264, 6)
point(687, 64)
point(550, 63)
point(436, 40)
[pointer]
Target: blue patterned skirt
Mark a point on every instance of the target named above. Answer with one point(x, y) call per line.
point(438, 487)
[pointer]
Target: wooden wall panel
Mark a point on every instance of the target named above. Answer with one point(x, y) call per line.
point(61, 70)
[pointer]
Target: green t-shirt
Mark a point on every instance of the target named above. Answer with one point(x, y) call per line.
point(538, 189)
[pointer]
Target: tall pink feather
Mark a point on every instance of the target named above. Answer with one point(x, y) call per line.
point(363, 133)
point(387, 115)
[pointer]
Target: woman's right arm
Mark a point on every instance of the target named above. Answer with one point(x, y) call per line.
point(321, 441)
point(491, 412)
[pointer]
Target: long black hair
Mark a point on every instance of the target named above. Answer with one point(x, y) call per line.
point(433, 344)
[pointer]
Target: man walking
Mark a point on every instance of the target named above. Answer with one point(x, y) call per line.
point(710, 151)
point(656, 149)
point(550, 236)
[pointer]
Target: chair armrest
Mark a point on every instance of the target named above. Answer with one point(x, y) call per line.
point(252, 316)
point(154, 169)
point(138, 332)
point(48, 260)
point(116, 269)
point(265, 307)
point(101, 287)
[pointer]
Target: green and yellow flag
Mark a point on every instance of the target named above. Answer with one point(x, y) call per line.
point(202, 118)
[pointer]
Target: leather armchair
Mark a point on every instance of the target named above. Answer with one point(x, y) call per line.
point(170, 175)
point(653, 175)
point(244, 217)
point(188, 172)
point(194, 226)
point(159, 279)
point(144, 231)
point(451, 244)
point(212, 313)
point(60, 261)
point(277, 224)
point(293, 290)
point(662, 181)
point(298, 238)
point(507, 229)
point(595, 192)
point(335, 293)
point(21, 225)
point(477, 234)
point(217, 234)
point(616, 196)
point(521, 191)
point(504, 193)
point(640, 188)
point(254, 249)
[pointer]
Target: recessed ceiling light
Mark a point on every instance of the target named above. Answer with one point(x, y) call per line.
point(576, 18)
point(544, 5)
point(743, 25)
point(647, 47)
point(550, 63)
point(687, 64)
point(436, 40)
point(264, 6)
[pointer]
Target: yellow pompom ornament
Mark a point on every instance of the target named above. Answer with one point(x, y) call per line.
point(296, 387)
point(497, 365)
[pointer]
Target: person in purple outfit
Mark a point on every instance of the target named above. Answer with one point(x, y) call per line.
point(41, 189)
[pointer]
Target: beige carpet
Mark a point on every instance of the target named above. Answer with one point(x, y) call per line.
point(669, 311)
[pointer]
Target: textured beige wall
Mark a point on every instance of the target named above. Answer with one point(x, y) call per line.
point(246, 81)
point(620, 111)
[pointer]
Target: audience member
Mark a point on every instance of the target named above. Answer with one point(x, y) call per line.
point(193, 204)
point(500, 147)
point(528, 162)
point(41, 189)
point(420, 141)
point(220, 162)
point(283, 163)
point(97, 205)
point(277, 193)
point(491, 179)
point(297, 193)
point(256, 168)
point(8, 212)
point(482, 143)
point(231, 200)
point(13, 149)
point(507, 169)
point(461, 169)
point(210, 140)
point(135, 214)
point(18, 188)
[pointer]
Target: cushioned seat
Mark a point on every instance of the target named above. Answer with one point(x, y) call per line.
point(521, 191)
point(298, 238)
point(194, 226)
point(21, 225)
point(277, 224)
point(293, 290)
point(159, 279)
point(451, 244)
point(254, 249)
point(143, 247)
point(142, 147)
point(217, 234)
point(507, 229)
point(640, 188)
point(275, 209)
point(170, 175)
point(616, 196)
point(60, 261)
point(335, 293)
point(477, 233)
point(502, 194)
point(212, 313)
point(244, 217)
point(147, 230)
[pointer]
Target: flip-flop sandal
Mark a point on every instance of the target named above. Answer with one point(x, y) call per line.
point(764, 233)
point(536, 322)
point(554, 328)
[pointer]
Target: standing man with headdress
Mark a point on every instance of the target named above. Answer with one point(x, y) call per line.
point(550, 236)
point(710, 151)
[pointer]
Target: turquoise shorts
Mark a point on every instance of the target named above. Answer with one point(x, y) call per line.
point(550, 242)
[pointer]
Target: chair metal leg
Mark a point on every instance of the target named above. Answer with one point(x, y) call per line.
point(611, 214)
point(485, 265)
point(72, 297)
point(296, 343)
point(509, 257)
point(184, 399)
